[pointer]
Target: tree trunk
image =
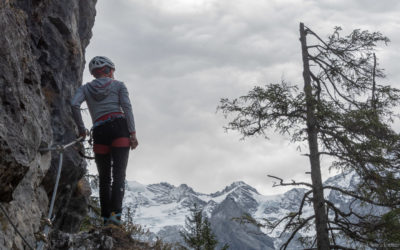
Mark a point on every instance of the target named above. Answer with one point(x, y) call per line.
point(318, 193)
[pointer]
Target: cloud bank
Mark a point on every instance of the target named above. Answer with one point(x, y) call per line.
point(179, 57)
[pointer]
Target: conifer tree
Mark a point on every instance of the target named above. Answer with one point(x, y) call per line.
point(193, 235)
point(198, 233)
point(210, 240)
point(342, 113)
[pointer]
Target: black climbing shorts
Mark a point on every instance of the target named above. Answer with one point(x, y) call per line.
point(114, 133)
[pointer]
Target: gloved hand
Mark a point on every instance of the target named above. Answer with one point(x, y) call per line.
point(133, 141)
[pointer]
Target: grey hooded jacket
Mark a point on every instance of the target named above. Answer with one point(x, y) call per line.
point(103, 96)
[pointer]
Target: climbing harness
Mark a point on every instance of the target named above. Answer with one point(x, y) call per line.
point(107, 118)
point(42, 237)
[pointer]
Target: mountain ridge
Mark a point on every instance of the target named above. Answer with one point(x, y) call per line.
point(163, 207)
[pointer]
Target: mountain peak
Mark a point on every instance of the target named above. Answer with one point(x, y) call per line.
point(347, 179)
point(185, 187)
point(237, 185)
point(242, 185)
point(161, 185)
point(182, 191)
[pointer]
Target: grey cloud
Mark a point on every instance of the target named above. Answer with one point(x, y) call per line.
point(370, 6)
point(181, 43)
point(177, 64)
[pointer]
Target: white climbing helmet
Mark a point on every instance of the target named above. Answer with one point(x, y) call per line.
point(99, 62)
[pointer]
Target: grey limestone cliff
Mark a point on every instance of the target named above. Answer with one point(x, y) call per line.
point(42, 45)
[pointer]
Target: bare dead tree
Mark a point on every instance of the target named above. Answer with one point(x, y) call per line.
point(342, 113)
point(312, 138)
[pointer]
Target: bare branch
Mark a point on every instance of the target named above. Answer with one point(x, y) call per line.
point(293, 183)
point(300, 226)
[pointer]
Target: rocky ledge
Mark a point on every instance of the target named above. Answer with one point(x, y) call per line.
point(105, 238)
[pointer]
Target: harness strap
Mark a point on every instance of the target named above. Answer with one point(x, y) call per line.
point(107, 118)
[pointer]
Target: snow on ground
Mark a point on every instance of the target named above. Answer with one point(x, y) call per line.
point(217, 199)
point(155, 218)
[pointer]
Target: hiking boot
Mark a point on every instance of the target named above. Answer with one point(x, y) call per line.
point(115, 219)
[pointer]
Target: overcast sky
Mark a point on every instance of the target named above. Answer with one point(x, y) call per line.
point(179, 57)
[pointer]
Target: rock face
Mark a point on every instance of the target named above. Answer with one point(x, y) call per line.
point(96, 240)
point(42, 49)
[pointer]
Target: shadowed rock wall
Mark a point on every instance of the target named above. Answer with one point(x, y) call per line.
point(42, 45)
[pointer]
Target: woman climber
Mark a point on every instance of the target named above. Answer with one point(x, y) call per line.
point(113, 132)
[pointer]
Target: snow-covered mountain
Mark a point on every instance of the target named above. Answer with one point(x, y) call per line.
point(162, 208)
